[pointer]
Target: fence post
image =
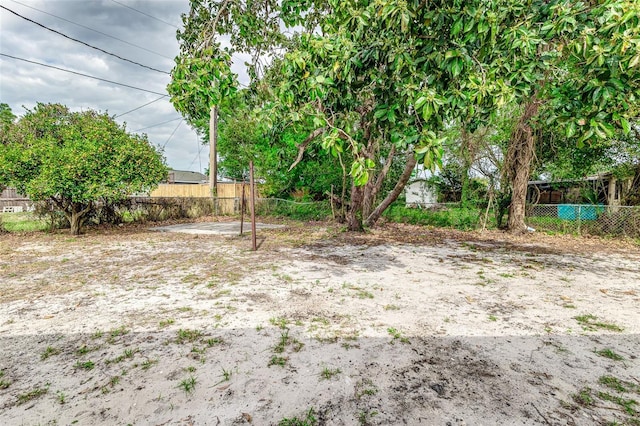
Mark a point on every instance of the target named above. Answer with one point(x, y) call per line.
point(579, 218)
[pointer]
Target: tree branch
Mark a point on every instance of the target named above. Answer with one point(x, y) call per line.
point(303, 145)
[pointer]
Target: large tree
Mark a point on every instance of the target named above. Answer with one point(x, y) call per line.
point(383, 78)
point(75, 159)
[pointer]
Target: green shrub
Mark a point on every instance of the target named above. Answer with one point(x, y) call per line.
point(443, 217)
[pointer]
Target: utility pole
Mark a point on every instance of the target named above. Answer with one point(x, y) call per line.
point(213, 151)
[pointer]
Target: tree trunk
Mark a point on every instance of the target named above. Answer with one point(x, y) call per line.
point(395, 192)
point(75, 214)
point(354, 222)
point(519, 159)
point(75, 220)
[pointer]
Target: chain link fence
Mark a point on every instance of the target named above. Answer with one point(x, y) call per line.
point(585, 219)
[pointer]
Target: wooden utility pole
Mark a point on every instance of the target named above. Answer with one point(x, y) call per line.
point(213, 150)
point(253, 207)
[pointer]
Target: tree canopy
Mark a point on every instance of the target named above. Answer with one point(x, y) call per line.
point(76, 159)
point(383, 79)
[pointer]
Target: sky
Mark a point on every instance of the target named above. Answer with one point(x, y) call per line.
point(146, 35)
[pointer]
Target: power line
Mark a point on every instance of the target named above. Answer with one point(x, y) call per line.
point(172, 133)
point(83, 43)
point(94, 30)
point(84, 75)
point(141, 106)
point(157, 124)
point(145, 14)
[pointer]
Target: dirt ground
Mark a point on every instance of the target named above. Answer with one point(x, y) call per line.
point(404, 325)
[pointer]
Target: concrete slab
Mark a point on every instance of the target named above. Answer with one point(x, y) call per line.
point(214, 228)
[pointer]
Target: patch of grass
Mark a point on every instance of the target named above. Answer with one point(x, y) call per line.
point(449, 217)
point(98, 334)
point(328, 373)
point(364, 417)
point(277, 360)
point(32, 394)
point(493, 318)
point(214, 341)
point(584, 397)
point(87, 365)
point(48, 352)
point(624, 403)
point(397, 335)
point(120, 331)
point(114, 380)
point(608, 353)
point(188, 385)
point(226, 375)
point(166, 323)
point(3, 383)
point(22, 222)
point(590, 323)
point(365, 387)
point(391, 308)
point(308, 420)
point(185, 335)
point(280, 322)
point(61, 397)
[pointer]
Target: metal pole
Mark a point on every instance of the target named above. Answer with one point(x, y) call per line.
point(253, 207)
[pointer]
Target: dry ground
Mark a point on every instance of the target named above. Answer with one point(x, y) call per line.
point(404, 325)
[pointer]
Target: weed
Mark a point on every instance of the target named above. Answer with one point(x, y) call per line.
point(87, 365)
point(397, 335)
point(365, 387)
point(166, 323)
point(584, 397)
point(284, 341)
point(363, 294)
point(3, 383)
point(589, 322)
point(608, 353)
point(279, 322)
point(613, 383)
point(226, 375)
point(328, 373)
point(364, 417)
point(277, 360)
point(308, 420)
point(148, 363)
point(190, 369)
point(185, 309)
point(214, 341)
point(391, 308)
point(188, 385)
point(61, 397)
point(114, 380)
point(33, 394)
point(259, 328)
point(625, 404)
point(120, 331)
point(49, 351)
point(98, 334)
point(185, 336)
point(493, 318)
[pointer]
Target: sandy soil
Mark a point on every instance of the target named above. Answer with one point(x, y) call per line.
point(402, 326)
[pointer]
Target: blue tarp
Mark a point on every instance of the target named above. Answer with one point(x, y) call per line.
point(573, 212)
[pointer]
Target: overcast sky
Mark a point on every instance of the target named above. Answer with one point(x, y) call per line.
point(143, 39)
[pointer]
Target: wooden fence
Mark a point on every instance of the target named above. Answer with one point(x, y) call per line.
point(227, 201)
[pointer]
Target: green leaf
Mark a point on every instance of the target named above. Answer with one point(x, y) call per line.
point(457, 27)
point(626, 126)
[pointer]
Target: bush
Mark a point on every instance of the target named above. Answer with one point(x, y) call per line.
point(441, 216)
